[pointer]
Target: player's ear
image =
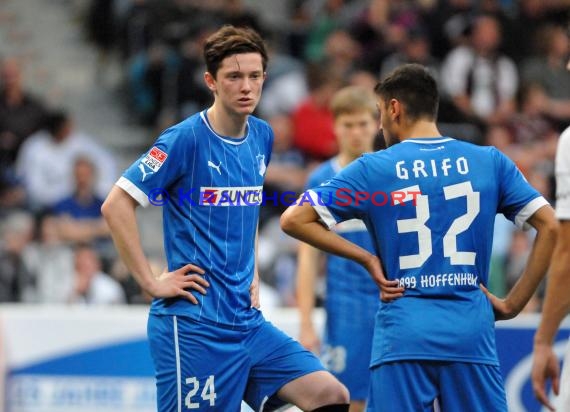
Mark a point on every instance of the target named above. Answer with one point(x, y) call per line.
point(394, 108)
point(210, 81)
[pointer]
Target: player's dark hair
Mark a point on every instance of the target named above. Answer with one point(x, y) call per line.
point(414, 87)
point(230, 40)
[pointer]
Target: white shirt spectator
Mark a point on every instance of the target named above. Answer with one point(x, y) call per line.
point(46, 166)
point(487, 82)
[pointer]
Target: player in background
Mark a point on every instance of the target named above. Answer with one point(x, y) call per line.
point(210, 344)
point(557, 300)
point(352, 296)
point(429, 203)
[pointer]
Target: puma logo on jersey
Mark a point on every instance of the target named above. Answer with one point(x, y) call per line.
point(144, 172)
point(214, 166)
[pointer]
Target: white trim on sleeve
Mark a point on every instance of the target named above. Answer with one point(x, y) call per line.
point(526, 212)
point(324, 213)
point(133, 190)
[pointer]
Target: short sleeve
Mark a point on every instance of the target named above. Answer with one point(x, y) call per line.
point(156, 169)
point(562, 170)
point(518, 200)
point(343, 197)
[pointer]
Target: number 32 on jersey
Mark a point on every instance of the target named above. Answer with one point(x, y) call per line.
point(458, 226)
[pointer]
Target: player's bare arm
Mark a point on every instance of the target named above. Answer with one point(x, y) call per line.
point(119, 210)
point(557, 305)
point(546, 225)
point(307, 268)
point(302, 222)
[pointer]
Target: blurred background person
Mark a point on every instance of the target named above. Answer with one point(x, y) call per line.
point(21, 114)
point(480, 80)
point(15, 278)
point(90, 284)
point(50, 262)
point(45, 163)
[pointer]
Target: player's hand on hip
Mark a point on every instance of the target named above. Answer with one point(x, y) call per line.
point(389, 289)
point(309, 339)
point(544, 367)
point(177, 283)
point(501, 307)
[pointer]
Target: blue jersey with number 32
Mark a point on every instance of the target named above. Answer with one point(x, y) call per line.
point(430, 206)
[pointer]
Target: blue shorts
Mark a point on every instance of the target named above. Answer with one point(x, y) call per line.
point(346, 352)
point(208, 368)
point(414, 385)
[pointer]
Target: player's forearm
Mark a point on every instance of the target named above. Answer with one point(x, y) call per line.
point(307, 264)
point(119, 213)
point(539, 260)
point(301, 222)
point(557, 299)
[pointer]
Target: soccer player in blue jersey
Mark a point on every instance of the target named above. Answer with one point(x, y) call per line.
point(352, 296)
point(429, 203)
point(210, 343)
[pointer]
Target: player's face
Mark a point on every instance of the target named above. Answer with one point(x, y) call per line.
point(238, 82)
point(355, 132)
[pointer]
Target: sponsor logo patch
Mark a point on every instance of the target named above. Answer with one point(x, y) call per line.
point(231, 196)
point(154, 159)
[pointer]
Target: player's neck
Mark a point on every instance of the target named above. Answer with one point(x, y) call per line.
point(420, 129)
point(225, 124)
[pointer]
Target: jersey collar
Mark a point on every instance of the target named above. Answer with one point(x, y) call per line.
point(429, 140)
point(226, 139)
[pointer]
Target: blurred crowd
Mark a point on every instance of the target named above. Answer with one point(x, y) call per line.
point(501, 71)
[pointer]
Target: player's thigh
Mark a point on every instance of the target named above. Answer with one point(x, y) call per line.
point(198, 367)
point(276, 360)
point(471, 387)
point(346, 354)
point(403, 387)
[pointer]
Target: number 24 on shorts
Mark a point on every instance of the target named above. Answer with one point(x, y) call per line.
point(208, 392)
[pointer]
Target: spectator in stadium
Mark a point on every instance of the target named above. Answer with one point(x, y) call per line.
point(481, 82)
point(286, 84)
point(152, 82)
point(548, 70)
point(21, 114)
point(342, 53)
point(50, 262)
point(102, 30)
point(530, 17)
point(91, 286)
point(415, 48)
point(45, 163)
point(312, 119)
point(79, 218)
point(15, 278)
point(530, 123)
